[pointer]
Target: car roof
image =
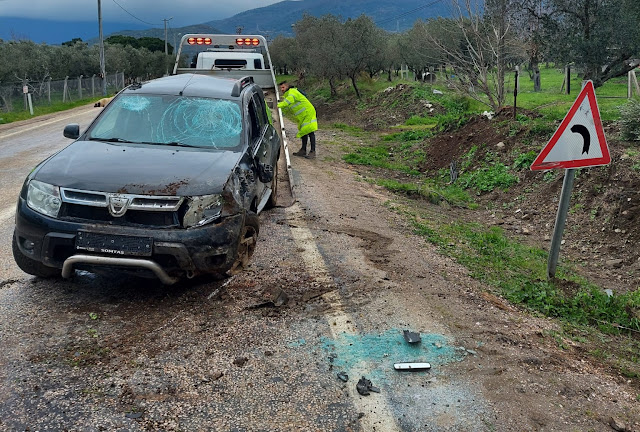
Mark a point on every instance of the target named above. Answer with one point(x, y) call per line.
point(187, 85)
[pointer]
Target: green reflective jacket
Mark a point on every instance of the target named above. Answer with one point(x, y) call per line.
point(296, 104)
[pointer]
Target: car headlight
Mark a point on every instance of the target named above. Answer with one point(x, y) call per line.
point(202, 210)
point(44, 198)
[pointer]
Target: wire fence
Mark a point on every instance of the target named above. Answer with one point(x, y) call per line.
point(14, 97)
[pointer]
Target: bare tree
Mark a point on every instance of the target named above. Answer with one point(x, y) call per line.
point(479, 58)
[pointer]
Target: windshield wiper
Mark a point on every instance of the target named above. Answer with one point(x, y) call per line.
point(120, 140)
point(176, 144)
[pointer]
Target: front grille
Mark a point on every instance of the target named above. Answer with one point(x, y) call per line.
point(120, 209)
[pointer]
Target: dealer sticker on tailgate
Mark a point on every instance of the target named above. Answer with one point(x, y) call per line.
point(114, 244)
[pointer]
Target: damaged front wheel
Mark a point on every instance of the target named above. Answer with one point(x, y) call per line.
point(247, 243)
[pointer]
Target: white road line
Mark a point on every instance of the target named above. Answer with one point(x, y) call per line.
point(378, 414)
point(39, 125)
point(7, 213)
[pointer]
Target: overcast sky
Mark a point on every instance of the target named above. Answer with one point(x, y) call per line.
point(184, 12)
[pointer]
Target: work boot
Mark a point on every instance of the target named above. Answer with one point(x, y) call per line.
point(311, 155)
point(301, 152)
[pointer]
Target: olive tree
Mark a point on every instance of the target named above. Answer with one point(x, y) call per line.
point(602, 37)
point(286, 55)
point(362, 42)
point(322, 46)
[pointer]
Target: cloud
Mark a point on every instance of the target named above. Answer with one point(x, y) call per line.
point(184, 12)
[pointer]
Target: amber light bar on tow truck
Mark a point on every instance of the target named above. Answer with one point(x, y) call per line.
point(248, 41)
point(199, 41)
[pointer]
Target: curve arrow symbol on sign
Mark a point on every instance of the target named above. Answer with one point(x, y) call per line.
point(586, 136)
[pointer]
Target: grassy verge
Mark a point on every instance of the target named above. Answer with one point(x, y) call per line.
point(8, 117)
point(606, 324)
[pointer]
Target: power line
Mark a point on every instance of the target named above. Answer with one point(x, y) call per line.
point(407, 13)
point(120, 6)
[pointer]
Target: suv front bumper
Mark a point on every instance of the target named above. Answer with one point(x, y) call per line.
point(177, 251)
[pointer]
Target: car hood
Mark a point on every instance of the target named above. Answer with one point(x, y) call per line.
point(139, 169)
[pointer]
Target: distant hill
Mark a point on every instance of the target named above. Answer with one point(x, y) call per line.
point(173, 34)
point(273, 20)
point(277, 18)
point(55, 32)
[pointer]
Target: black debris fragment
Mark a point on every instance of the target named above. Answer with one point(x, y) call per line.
point(276, 298)
point(365, 386)
point(240, 361)
point(412, 337)
point(343, 376)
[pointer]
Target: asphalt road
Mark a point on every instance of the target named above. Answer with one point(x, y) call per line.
point(107, 352)
point(335, 280)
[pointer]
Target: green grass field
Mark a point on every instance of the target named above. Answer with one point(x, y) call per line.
point(8, 117)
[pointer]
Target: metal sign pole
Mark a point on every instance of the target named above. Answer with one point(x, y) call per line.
point(561, 218)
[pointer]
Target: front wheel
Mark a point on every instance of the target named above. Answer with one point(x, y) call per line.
point(32, 266)
point(247, 243)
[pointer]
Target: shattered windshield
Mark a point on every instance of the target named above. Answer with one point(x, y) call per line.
point(170, 120)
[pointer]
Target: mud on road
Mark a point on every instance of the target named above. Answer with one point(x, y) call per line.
point(335, 279)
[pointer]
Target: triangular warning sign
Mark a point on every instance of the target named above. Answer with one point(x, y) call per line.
point(579, 141)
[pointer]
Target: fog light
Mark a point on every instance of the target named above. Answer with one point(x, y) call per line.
point(28, 245)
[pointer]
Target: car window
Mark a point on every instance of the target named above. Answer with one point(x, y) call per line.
point(161, 119)
point(254, 117)
point(261, 110)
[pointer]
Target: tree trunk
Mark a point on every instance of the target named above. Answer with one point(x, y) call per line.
point(536, 78)
point(332, 86)
point(389, 74)
point(355, 86)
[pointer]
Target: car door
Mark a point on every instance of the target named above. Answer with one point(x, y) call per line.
point(263, 138)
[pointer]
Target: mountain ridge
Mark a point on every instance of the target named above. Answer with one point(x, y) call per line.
point(271, 21)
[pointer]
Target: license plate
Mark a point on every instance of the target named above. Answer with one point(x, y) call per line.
point(114, 244)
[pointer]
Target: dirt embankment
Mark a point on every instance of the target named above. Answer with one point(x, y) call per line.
point(602, 229)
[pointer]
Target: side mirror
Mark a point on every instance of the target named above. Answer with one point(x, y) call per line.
point(72, 131)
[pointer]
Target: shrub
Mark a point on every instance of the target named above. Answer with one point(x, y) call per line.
point(630, 121)
point(489, 178)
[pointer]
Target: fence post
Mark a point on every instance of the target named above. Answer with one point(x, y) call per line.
point(24, 95)
point(633, 82)
point(80, 86)
point(93, 85)
point(49, 90)
point(65, 89)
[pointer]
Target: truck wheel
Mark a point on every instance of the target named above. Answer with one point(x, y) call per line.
point(247, 243)
point(273, 199)
point(31, 266)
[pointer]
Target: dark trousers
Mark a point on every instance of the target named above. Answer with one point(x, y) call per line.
point(312, 138)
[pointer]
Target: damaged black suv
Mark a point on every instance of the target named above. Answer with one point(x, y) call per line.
point(166, 182)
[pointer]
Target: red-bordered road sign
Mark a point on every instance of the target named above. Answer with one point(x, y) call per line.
point(579, 141)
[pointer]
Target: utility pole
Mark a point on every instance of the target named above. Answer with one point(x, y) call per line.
point(166, 48)
point(102, 65)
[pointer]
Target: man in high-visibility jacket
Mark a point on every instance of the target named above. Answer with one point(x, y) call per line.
point(295, 103)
